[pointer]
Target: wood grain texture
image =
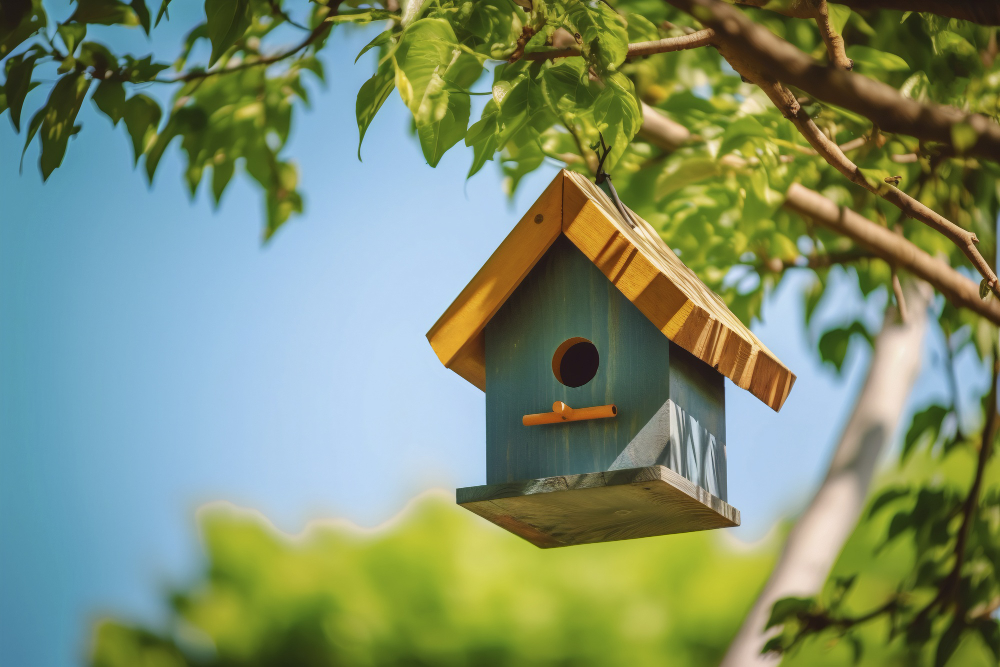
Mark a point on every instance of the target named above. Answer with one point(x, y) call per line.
point(457, 335)
point(599, 507)
point(651, 276)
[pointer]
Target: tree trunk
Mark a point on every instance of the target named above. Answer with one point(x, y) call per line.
point(820, 533)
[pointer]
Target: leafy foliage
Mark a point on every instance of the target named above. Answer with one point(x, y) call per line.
point(441, 587)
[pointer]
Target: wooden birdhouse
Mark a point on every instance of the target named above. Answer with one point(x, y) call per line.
point(603, 359)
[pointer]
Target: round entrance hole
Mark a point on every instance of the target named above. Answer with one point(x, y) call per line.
point(575, 362)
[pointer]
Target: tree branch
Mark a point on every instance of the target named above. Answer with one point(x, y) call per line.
point(668, 44)
point(815, 261)
point(817, 11)
point(831, 152)
point(895, 249)
point(317, 32)
point(638, 49)
point(763, 52)
point(985, 12)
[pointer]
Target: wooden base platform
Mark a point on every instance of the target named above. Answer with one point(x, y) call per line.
point(599, 507)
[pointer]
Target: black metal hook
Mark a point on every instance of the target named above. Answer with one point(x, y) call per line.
point(603, 150)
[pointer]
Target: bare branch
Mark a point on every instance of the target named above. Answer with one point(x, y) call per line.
point(815, 261)
point(834, 42)
point(895, 249)
point(691, 41)
point(762, 51)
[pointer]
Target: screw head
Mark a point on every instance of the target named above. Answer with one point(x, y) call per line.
point(539, 218)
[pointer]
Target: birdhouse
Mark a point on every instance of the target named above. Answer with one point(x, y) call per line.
point(603, 360)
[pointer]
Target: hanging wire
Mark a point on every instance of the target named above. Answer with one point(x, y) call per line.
point(602, 151)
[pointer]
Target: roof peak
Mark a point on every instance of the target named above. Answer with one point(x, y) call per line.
point(637, 261)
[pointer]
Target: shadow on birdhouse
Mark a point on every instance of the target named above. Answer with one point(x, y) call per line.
point(603, 360)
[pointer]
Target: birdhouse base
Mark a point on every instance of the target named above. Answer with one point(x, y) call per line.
point(599, 507)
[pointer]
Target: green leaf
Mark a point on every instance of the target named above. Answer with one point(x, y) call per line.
point(813, 295)
point(857, 648)
point(13, 13)
point(162, 12)
point(605, 38)
point(484, 137)
point(984, 289)
point(72, 34)
point(441, 134)
point(494, 25)
point(110, 98)
point(142, 70)
point(641, 29)
point(834, 343)
point(926, 426)
point(140, 9)
point(380, 39)
point(104, 12)
point(227, 21)
point(567, 87)
point(787, 609)
point(948, 643)
point(517, 91)
point(886, 498)
point(874, 60)
point(618, 116)
point(411, 10)
point(429, 65)
point(222, 173)
point(19, 70)
point(142, 117)
point(97, 56)
point(36, 122)
point(963, 137)
point(19, 20)
point(57, 124)
point(372, 95)
point(433, 73)
point(739, 131)
point(989, 630)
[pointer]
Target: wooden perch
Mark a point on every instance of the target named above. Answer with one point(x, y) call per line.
point(563, 413)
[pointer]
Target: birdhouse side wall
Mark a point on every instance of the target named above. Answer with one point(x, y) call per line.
point(671, 405)
point(565, 296)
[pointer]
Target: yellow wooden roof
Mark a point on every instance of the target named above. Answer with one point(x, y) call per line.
point(637, 261)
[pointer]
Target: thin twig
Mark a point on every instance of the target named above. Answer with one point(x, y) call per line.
point(317, 32)
point(638, 49)
point(831, 152)
point(815, 261)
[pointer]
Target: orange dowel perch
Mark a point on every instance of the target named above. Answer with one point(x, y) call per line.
point(563, 413)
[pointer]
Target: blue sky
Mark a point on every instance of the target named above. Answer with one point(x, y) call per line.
point(154, 356)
